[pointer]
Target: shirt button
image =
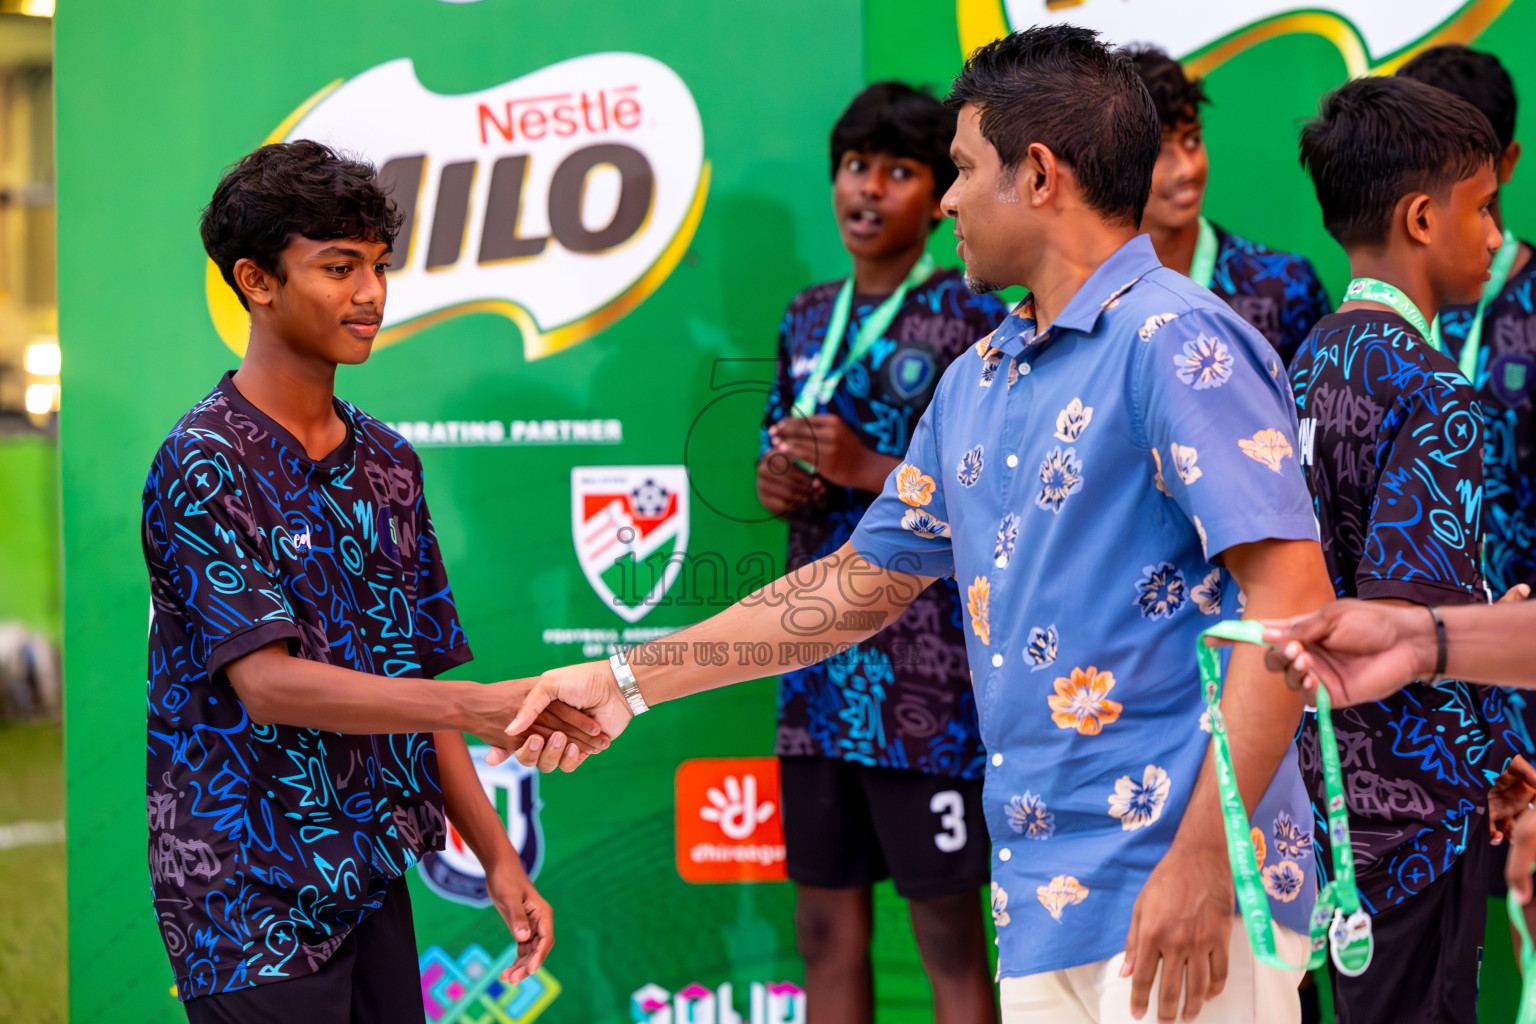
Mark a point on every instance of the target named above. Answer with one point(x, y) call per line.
point(1002, 561)
point(997, 760)
point(1013, 461)
point(997, 661)
point(1023, 369)
point(1005, 854)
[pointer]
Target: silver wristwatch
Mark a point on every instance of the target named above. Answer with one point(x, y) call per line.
point(627, 684)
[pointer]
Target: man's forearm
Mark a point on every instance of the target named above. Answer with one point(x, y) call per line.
point(874, 470)
point(465, 801)
point(795, 621)
point(1486, 644)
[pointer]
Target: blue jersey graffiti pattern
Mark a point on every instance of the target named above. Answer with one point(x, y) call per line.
point(1390, 438)
point(901, 699)
point(1279, 293)
point(267, 843)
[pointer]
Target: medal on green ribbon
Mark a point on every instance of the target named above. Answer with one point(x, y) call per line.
point(1339, 924)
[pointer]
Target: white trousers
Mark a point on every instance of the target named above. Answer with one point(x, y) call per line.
point(1096, 994)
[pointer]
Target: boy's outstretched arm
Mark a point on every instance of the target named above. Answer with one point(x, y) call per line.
point(795, 621)
point(276, 687)
point(527, 914)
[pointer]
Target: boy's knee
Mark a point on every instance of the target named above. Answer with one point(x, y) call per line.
point(830, 932)
point(949, 933)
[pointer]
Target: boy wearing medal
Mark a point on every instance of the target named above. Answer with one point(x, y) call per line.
point(1390, 440)
point(1489, 338)
point(1277, 292)
point(881, 760)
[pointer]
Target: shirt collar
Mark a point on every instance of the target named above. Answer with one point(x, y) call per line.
point(1113, 278)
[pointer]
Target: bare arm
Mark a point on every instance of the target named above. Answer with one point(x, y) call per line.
point(276, 687)
point(797, 620)
point(527, 915)
point(1184, 914)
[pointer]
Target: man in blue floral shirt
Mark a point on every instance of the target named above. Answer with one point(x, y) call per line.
point(880, 758)
point(1105, 475)
point(1279, 293)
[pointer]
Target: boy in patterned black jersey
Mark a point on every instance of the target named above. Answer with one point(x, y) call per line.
point(300, 755)
point(1391, 441)
point(1277, 292)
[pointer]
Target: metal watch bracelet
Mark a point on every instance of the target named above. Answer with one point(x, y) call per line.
point(627, 684)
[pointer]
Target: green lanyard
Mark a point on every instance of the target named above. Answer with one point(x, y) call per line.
point(1338, 920)
point(1527, 1013)
point(1498, 275)
point(823, 381)
point(1202, 270)
point(1368, 289)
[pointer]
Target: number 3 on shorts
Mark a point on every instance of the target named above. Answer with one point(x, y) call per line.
point(952, 810)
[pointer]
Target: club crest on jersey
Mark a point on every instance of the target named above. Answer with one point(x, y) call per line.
point(629, 525)
point(454, 872)
point(560, 200)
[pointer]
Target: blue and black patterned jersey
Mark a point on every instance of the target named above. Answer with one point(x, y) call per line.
point(268, 843)
point(1506, 375)
point(1277, 292)
point(901, 699)
point(1391, 441)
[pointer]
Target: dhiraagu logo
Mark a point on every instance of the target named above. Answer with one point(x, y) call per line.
point(560, 200)
point(1371, 35)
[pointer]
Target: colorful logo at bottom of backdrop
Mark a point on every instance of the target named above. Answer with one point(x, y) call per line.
point(455, 872)
point(560, 200)
point(468, 989)
point(774, 1002)
point(630, 528)
point(1369, 34)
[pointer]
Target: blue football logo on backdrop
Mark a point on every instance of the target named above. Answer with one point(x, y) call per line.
point(455, 873)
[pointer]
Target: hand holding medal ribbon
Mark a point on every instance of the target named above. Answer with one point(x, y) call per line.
point(1338, 921)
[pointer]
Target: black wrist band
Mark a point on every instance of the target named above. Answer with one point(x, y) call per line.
point(1440, 646)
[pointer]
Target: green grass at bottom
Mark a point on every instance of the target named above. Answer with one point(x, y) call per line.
point(33, 914)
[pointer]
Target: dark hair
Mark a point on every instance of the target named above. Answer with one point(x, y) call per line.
point(291, 190)
point(894, 118)
point(1058, 85)
point(1176, 96)
point(1375, 140)
point(1476, 77)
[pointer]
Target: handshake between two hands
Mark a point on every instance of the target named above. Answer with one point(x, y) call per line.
point(556, 720)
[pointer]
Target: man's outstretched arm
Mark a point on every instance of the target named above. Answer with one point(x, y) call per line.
point(795, 621)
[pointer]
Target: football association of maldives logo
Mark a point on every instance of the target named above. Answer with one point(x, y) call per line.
point(560, 200)
point(455, 873)
point(630, 528)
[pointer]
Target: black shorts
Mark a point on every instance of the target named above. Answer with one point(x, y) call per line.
point(1429, 949)
point(847, 826)
point(372, 978)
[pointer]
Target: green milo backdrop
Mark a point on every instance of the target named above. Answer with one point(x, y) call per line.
point(610, 205)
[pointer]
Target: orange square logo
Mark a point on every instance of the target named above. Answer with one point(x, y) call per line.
point(729, 827)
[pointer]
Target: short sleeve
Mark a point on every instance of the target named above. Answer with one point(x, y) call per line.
point(1424, 539)
point(440, 641)
point(1218, 417)
point(907, 529)
point(208, 563)
point(1306, 303)
point(780, 391)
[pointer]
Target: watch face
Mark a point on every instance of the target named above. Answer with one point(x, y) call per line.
point(1510, 377)
point(908, 375)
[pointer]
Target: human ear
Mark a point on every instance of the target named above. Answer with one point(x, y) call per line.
point(254, 282)
point(1507, 163)
point(1418, 216)
point(1041, 177)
